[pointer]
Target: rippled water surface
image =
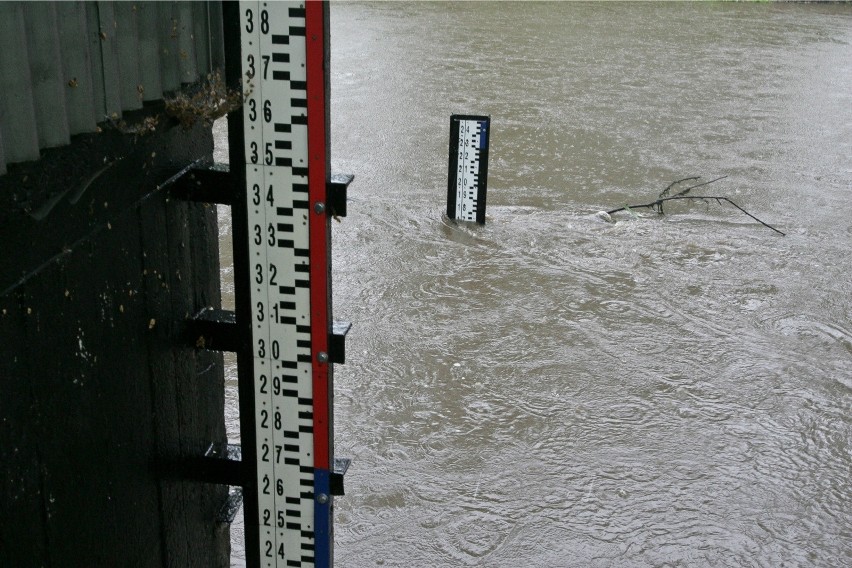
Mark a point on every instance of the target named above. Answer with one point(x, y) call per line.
point(555, 390)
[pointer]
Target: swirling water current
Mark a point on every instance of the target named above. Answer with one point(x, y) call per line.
point(555, 390)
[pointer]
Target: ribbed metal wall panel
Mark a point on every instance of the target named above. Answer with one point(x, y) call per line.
point(77, 66)
point(17, 110)
point(2, 156)
point(67, 66)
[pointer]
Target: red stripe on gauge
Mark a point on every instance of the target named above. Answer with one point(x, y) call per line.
point(318, 226)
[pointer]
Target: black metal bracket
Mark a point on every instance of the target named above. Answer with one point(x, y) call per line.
point(212, 184)
point(213, 329)
point(338, 470)
point(337, 341)
point(337, 189)
point(229, 508)
point(223, 467)
point(215, 467)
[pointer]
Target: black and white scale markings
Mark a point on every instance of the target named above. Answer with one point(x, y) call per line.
point(276, 142)
point(468, 167)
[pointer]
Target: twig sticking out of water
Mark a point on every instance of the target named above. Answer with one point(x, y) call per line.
point(664, 195)
point(657, 205)
point(665, 192)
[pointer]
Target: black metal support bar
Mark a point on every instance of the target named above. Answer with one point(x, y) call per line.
point(337, 189)
point(223, 467)
point(213, 184)
point(213, 329)
point(337, 341)
point(340, 466)
point(212, 470)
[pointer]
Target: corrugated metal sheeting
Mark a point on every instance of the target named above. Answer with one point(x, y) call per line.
point(66, 66)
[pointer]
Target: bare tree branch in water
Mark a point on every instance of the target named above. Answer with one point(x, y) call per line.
point(664, 196)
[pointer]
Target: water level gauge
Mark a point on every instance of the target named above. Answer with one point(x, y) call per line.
point(468, 169)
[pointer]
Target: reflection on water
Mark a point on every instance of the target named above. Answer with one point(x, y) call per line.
point(553, 390)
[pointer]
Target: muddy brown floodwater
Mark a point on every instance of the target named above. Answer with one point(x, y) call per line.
point(553, 390)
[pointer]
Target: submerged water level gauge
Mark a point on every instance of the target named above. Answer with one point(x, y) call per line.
point(468, 167)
